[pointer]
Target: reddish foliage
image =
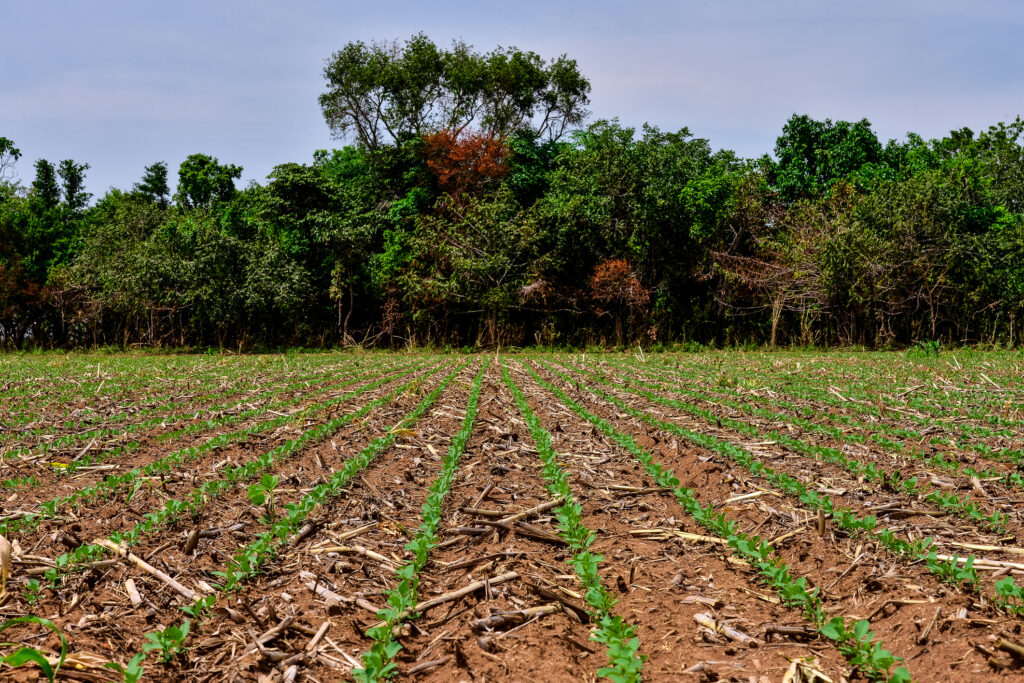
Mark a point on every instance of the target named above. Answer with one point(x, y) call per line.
point(464, 163)
point(613, 282)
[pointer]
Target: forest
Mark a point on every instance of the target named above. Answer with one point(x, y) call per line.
point(473, 202)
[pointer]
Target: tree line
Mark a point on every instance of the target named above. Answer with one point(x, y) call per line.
point(473, 205)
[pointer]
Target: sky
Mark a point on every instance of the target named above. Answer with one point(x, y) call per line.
point(120, 85)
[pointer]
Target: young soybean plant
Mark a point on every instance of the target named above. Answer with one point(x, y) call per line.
point(262, 493)
point(625, 664)
point(377, 662)
point(856, 642)
point(169, 641)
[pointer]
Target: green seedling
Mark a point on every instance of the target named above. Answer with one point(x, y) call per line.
point(1010, 596)
point(24, 655)
point(950, 570)
point(262, 494)
point(31, 591)
point(198, 609)
point(170, 641)
point(858, 647)
point(130, 672)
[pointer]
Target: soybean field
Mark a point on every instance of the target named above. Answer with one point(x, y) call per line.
point(766, 516)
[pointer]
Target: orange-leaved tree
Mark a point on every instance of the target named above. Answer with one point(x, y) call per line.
point(466, 162)
point(614, 284)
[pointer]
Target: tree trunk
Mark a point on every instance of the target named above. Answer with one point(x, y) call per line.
point(351, 305)
point(776, 314)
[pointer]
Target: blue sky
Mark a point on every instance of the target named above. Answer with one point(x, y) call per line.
point(121, 84)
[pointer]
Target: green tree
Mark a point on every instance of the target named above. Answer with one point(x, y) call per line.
point(9, 155)
point(384, 93)
point(72, 178)
point(204, 181)
point(475, 257)
point(812, 154)
point(45, 190)
point(154, 183)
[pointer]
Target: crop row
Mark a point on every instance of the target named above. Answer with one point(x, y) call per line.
point(854, 640)
point(877, 428)
point(846, 519)
point(133, 479)
point(248, 562)
point(119, 425)
point(950, 502)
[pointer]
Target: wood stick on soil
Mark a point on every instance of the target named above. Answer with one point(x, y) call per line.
point(428, 666)
point(708, 622)
point(524, 529)
point(982, 563)
point(462, 592)
point(470, 561)
point(1013, 648)
point(480, 512)
point(513, 618)
point(923, 638)
point(191, 541)
point(214, 533)
point(702, 600)
point(581, 615)
point(270, 634)
point(788, 630)
point(351, 533)
point(133, 592)
point(327, 594)
point(355, 550)
point(483, 494)
point(990, 548)
point(685, 535)
point(101, 564)
point(186, 592)
point(543, 507)
point(314, 642)
point(506, 521)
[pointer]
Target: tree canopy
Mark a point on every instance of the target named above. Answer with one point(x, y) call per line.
point(383, 93)
point(476, 206)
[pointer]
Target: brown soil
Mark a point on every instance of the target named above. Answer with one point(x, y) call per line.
point(337, 574)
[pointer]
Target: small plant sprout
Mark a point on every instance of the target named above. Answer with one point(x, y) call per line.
point(169, 642)
point(130, 672)
point(262, 494)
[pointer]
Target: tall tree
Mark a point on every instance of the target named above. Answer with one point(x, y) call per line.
point(203, 181)
point(72, 178)
point(387, 92)
point(44, 188)
point(154, 183)
point(812, 154)
point(9, 154)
